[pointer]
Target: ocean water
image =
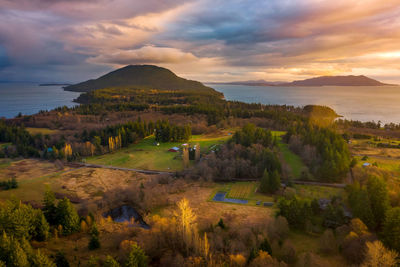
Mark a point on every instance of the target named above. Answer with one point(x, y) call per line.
point(30, 98)
point(363, 103)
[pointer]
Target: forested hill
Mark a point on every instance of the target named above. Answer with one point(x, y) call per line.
point(350, 80)
point(142, 76)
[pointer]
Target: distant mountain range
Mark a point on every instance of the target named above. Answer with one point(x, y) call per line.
point(350, 80)
point(143, 77)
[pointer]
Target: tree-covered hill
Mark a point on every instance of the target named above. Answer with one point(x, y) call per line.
point(143, 76)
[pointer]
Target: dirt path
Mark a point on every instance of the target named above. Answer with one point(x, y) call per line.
point(125, 169)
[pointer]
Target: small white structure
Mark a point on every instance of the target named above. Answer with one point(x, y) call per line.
point(366, 164)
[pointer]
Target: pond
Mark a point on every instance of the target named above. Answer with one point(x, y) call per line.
point(220, 196)
point(126, 213)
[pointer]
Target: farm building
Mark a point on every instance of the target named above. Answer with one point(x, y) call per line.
point(174, 149)
point(366, 164)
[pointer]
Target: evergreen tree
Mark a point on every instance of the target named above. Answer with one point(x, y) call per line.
point(274, 182)
point(379, 198)
point(361, 206)
point(221, 224)
point(61, 260)
point(265, 246)
point(94, 242)
point(41, 260)
point(67, 217)
point(264, 185)
point(11, 252)
point(42, 227)
point(391, 229)
point(110, 262)
point(49, 206)
point(136, 257)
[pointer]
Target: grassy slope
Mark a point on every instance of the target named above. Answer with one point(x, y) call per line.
point(294, 161)
point(145, 155)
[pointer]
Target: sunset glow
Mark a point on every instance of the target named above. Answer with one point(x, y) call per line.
point(204, 40)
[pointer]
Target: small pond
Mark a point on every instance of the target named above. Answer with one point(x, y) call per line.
point(220, 196)
point(125, 213)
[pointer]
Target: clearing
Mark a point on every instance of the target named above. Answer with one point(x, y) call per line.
point(148, 156)
point(294, 161)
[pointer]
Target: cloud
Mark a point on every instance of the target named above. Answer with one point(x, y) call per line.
point(145, 54)
point(202, 39)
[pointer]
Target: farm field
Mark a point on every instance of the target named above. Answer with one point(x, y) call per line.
point(43, 131)
point(294, 161)
point(313, 191)
point(146, 155)
point(243, 191)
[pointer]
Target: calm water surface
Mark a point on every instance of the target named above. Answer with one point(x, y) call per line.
point(364, 103)
point(30, 98)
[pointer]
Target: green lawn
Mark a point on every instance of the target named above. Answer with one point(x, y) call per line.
point(294, 161)
point(145, 155)
point(242, 190)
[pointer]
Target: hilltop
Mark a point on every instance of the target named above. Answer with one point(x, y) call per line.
point(141, 76)
point(350, 80)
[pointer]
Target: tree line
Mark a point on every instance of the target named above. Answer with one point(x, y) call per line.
point(248, 154)
point(96, 141)
point(322, 149)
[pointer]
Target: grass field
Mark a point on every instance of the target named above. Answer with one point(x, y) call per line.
point(294, 161)
point(32, 177)
point(145, 155)
point(241, 190)
point(388, 164)
point(41, 131)
point(312, 191)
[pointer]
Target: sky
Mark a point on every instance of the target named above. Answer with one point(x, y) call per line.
point(205, 40)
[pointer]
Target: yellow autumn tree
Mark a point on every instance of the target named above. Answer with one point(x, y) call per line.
point(206, 247)
point(379, 256)
point(111, 143)
point(237, 260)
point(187, 220)
point(67, 150)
